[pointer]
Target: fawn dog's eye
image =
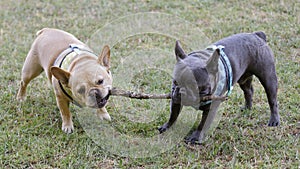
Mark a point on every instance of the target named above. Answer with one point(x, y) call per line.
point(100, 82)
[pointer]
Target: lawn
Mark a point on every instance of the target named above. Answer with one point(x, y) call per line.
point(30, 132)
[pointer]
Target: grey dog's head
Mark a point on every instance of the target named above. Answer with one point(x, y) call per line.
point(194, 75)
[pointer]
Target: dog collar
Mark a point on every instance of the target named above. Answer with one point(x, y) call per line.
point(64, 60)
point(225, 73)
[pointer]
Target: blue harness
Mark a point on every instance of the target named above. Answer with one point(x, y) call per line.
point(228, 69)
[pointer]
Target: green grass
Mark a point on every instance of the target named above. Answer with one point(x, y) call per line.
point(30, 132)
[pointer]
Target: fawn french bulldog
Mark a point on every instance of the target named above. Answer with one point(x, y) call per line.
point(76, 73)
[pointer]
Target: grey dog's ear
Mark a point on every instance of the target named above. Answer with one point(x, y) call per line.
point(212, 65)
point(179, 52)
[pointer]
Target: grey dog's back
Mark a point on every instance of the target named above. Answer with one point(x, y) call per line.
point(250, 39)
point(246, 49)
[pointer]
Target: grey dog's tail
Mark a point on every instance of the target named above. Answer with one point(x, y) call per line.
point(262, 35)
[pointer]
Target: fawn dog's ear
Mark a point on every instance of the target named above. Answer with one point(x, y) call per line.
point(104, 57)
point(60, 74)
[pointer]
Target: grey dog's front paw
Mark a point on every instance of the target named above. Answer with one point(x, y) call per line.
point(163, 128)
point(274, 120)
point(194, 138)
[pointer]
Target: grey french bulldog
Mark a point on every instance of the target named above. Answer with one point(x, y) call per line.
point(214, 70)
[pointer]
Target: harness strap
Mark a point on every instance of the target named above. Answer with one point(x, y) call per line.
point(70, 97)
point(226, 67)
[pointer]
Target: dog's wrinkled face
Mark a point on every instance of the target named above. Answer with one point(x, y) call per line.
point(193, 76)
point(89, 79)
point(91, 85)
point(192, 83)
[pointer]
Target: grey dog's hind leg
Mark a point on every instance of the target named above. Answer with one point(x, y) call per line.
point(270, 85)
point(246, 86)
point(268, 78)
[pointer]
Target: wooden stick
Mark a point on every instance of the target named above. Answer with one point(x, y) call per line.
point(213, 97)
point(119, 92)
point(133, 95)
